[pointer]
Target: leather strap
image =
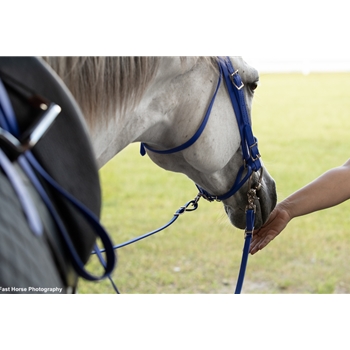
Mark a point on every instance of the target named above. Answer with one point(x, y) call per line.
point(250, 217)
point(32, 168)
point(27, 204)
point(249, 143)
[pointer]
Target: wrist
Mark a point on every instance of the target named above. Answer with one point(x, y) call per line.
point(285, 207)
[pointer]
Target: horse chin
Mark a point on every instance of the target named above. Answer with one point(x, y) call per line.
point(237, 216)
point(264, 207)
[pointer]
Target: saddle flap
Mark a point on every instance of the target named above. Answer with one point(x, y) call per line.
point(64, 151)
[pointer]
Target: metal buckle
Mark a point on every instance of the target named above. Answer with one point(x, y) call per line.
point(207, 197)
point(248, 233)
point(15, 147)
point(52, 111)
point(251, 198)
point(251, 156)
point(252, 191)
point(233, 82)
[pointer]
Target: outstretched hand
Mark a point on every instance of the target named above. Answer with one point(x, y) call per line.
point(277, 221)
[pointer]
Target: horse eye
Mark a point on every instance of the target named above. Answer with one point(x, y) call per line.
point(254, 85)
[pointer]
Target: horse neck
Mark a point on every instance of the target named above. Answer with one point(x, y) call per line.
point(177, 110)
point(148, 121)
point(108, 139)
point(168, 114)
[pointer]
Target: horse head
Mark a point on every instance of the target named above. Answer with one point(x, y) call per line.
point(214, 159)
point(161, 102)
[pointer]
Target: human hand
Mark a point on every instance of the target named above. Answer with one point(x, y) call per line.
point(277, 221)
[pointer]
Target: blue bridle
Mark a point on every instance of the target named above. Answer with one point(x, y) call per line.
point(249, 144)
point(249, 148)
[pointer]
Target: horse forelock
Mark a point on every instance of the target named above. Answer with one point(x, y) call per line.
point(104, 86)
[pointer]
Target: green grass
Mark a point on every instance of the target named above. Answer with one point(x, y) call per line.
point(303, 127)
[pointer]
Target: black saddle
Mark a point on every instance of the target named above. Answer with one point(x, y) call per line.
point(64, 151)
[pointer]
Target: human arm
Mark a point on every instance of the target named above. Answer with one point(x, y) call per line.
point(328, 190)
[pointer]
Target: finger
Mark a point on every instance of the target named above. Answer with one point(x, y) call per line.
point(258, 235)
point(261, 243)
point(260, 240)
point(254, 244)
point(254, 247)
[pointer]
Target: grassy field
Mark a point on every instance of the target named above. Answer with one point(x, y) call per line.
point(302, 123)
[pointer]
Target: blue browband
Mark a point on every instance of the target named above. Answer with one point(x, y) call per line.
point(249, 143)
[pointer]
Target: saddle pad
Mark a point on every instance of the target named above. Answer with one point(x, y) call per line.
point(64, 151)
point(29, 264)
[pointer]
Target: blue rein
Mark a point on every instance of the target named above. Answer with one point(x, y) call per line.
point(249, 147)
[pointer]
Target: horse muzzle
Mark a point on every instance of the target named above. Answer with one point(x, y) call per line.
point(259, 195)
